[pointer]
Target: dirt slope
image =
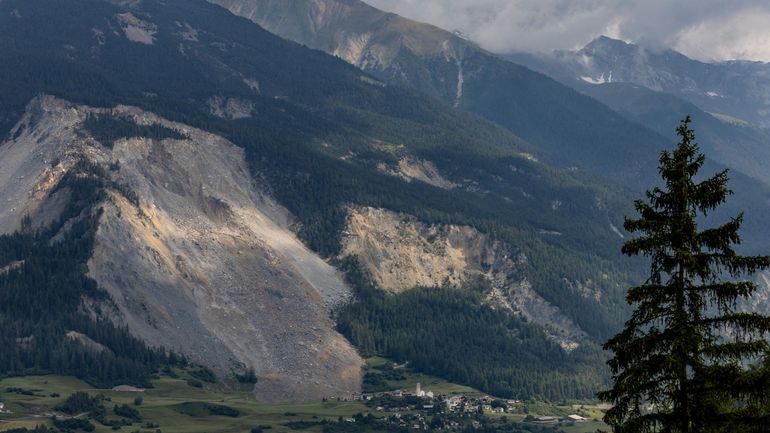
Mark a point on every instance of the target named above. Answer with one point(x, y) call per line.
point(205, 264)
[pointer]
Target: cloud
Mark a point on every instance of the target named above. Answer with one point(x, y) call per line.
point(703, 29)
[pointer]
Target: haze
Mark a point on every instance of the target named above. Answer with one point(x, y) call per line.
point(703, 29)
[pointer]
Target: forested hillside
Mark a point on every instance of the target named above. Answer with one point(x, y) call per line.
point(453, 334)
point(315, 131)
point(45, 329)
point(567, 128)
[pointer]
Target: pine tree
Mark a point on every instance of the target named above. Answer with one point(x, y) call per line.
point(684, 362)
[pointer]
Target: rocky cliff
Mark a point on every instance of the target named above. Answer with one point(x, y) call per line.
point(400, 253)
point(369, 38)
point(195, 257)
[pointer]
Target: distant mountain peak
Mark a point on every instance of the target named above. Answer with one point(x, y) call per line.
point(604, 46)
point(739, 89)
point(604, 41)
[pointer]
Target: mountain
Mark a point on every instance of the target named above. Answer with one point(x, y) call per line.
point(654, 88)
point(179, 179)
point(566, 127)
point(185, 246)
point(736, 144)
point(737, 89)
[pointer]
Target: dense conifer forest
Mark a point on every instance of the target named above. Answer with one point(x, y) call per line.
point(305, 100)
point(42, 299)
point(451, 333)
point(282, 141)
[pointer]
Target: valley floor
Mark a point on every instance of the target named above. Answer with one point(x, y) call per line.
point(173, 405)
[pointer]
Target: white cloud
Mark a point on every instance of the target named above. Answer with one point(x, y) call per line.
point(703, 29)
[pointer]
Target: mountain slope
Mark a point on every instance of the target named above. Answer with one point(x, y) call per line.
point(735, 88)
point(567, 128)
point(733, 143)
point(656, 89)
point(188, 257)
point(319, 138)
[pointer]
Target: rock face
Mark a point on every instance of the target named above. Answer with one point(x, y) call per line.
point(367, 37)
point(411, 168)
point(399, 253)
point(205, 264)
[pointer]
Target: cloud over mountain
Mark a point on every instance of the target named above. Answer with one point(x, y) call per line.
point(703, 29)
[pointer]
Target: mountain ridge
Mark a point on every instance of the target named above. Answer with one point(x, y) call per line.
point(567, 128)
point(736, 88)
point(317, 136)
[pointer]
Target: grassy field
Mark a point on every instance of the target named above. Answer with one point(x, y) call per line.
point(428, 382)
point(161, 405)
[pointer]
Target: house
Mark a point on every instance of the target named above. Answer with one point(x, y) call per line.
point(453, 403)
point(546, 420)
point(499, 410)
point(574, 418)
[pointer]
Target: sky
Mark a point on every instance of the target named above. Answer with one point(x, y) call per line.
point(706, 30)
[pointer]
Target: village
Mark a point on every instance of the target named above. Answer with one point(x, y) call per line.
point(447, 407)
point(423, 409)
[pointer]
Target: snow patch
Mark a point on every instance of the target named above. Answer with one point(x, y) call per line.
point(591, 80)
point(597, 80)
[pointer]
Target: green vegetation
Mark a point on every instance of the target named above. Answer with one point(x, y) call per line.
point(453, 334)
point(162, 403)
point(41, 301)
point(392, 377)
point(683, 362)
point(319, 132)
point(70, 424)
point(127, 411)
point(199, 409)
point(167, 401)
point(379, 377)
point(204, 374)
point(108, 129)
point(161, 406)
point(508, 197)
point(79, 402)
point(249, 377)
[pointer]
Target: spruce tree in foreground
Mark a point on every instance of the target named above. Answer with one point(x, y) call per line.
point(684, 363)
